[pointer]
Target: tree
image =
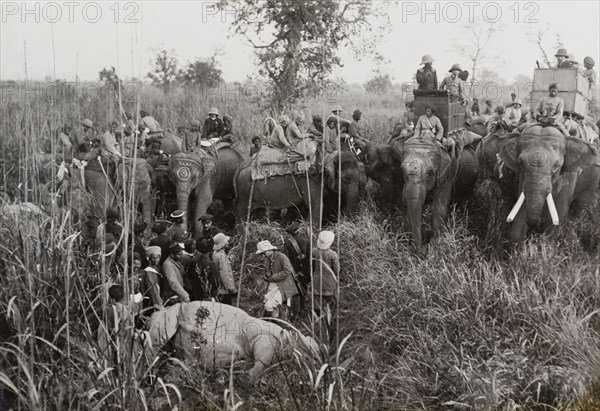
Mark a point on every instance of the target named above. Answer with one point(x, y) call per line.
point(164, 73)
point(380, 84)
point(109, 76)
point(538, 38)
point(202, 72)
point(478, 36)
point(296, 41)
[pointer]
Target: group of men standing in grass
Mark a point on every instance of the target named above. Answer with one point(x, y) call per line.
point(174, 266)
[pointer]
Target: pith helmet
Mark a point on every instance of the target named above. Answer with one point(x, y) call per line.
point(325, 239)
point(455, 67)
point(214, 111)
point(427, 59)
point(264, 246)
point(561, 52)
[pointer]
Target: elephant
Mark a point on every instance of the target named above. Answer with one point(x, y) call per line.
point(283, 191)
point(98, 179)
point(539, 162)
point(206, 176)
point(352, 178)
point(430, 172)
point(142, 183)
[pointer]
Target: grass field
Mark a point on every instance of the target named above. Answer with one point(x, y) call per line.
point(474, 324)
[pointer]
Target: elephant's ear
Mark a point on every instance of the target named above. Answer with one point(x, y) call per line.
point(444, 169)
point(386, 155)
point(579, 154)
point(509, 154)
point(397, 150)
point(209, 168)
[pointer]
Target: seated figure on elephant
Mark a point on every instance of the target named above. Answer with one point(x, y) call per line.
point(341, 138)
point(227, 133)
point(549, 110)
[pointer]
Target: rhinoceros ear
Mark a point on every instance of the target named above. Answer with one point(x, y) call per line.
point(509, 154)
point(579, 154)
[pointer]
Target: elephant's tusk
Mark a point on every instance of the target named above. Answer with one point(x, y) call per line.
point(516, 208)
point(552, 209)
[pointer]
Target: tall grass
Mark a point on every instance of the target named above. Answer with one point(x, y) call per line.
point(473, 324)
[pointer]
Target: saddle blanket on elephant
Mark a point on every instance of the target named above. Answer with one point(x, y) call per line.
point(271, 161)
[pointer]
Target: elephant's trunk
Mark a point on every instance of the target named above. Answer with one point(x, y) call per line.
point(352, 198)
point(414, 195)
point(536, 189)
point(183, 196)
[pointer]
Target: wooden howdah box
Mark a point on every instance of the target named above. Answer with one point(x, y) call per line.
point(451, 114)
point(569, 79)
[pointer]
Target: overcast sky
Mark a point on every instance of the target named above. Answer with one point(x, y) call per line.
point(85, 37)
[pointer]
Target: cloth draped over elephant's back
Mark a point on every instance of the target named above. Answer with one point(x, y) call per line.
point(271, 161)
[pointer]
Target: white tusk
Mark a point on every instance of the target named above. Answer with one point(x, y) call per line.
point(516, 208)
point(552, 209)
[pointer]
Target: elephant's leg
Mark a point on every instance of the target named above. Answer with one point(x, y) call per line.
point(313, 200)
point(518, 228)
point(204, 196)
point(441, 202)
point(564, 197)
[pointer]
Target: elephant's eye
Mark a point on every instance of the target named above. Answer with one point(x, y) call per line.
point(429, 174)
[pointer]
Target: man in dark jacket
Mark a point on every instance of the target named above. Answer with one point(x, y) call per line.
point(297, 249)
point(213, 125)
point(279, 278)
point(208, 230)
point(427, 76)
point(189, 260)
point(562, 59)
